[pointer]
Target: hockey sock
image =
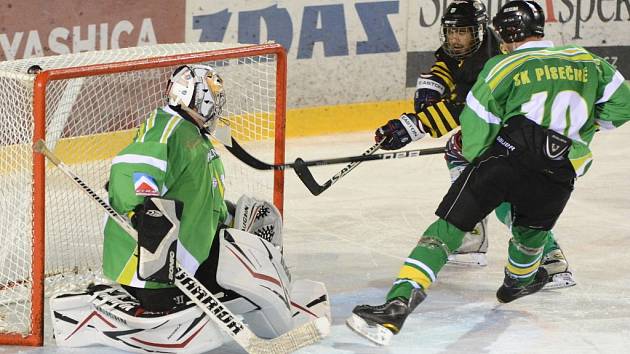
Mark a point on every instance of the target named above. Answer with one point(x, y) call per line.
point(426, 259)
point(525, 252)
point(504, 213)
point(551, 244)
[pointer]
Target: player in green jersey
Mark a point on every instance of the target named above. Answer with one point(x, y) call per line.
point(526, 130)
point(171, 156)
point(467, 44)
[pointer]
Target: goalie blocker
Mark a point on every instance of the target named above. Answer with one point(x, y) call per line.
point(247, 265)
point(157, 222)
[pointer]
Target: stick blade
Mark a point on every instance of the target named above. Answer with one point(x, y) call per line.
point(305, 175)
point(302, 336)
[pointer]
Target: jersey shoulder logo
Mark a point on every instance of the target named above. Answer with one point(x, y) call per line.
point(145, 185)
point(212, 154)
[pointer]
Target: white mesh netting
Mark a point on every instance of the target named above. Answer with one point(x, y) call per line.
point(88, 120)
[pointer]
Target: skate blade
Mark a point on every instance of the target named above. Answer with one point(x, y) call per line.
point(468, 259)
point(375, 333)
point(559, 281)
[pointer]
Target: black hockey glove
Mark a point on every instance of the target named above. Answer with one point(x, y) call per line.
point(147, 218)
point(428, 92)
point(453, 153)
point(157, 221)
point(399, 132)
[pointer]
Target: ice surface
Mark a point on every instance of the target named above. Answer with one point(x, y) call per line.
point(355, 235)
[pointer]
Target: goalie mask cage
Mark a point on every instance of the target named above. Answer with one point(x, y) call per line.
point(86, 106)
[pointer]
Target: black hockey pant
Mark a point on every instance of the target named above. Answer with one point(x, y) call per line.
point(537, 187)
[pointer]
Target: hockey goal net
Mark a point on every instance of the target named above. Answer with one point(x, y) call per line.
point(86, 106)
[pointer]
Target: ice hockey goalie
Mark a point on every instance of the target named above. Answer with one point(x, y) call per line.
point(254, 281)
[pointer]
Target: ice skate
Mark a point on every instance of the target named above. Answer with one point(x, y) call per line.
point(558, 269)
point(380, 323)
point(473, 250)
point(511, 290)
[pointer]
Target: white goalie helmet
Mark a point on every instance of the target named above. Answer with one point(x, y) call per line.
point(200, 88)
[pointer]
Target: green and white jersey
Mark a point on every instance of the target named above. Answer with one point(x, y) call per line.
point(168, 157)
point(566, 89)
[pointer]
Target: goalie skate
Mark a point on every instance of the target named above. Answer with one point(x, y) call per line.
point(374, 332)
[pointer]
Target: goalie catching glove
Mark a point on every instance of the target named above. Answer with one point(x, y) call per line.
point(260, 218)
point(400, 132)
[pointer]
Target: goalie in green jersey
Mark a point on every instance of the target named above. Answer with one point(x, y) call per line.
point(526, 130)
point(170, 182)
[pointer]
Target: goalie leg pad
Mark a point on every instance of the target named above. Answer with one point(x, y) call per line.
point(107, 316)
point(309, 301)
point(254, 269)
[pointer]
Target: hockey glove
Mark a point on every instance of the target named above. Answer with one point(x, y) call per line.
point(428, 92)
point(157, 223)
point(453, 153)
point(399, 132)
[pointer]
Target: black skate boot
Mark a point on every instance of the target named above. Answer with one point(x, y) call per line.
point(510, 290)
point(379, 323)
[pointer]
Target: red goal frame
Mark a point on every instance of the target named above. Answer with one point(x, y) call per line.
point(36, 336)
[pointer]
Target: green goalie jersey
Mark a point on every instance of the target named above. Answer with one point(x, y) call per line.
point(168, 157)
point(566, 89)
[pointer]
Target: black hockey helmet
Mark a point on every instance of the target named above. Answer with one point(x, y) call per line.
point(517, 20)
point(464, 15)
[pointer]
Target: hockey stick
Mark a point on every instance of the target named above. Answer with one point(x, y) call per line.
point(237, 150)
point(301, 167)
point(299, 337)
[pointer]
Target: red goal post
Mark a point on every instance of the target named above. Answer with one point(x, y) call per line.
point(87, 112)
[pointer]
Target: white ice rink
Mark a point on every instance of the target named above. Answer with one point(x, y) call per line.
point(355, 235)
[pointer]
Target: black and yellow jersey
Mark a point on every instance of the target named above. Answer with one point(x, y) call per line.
point(458, 77)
